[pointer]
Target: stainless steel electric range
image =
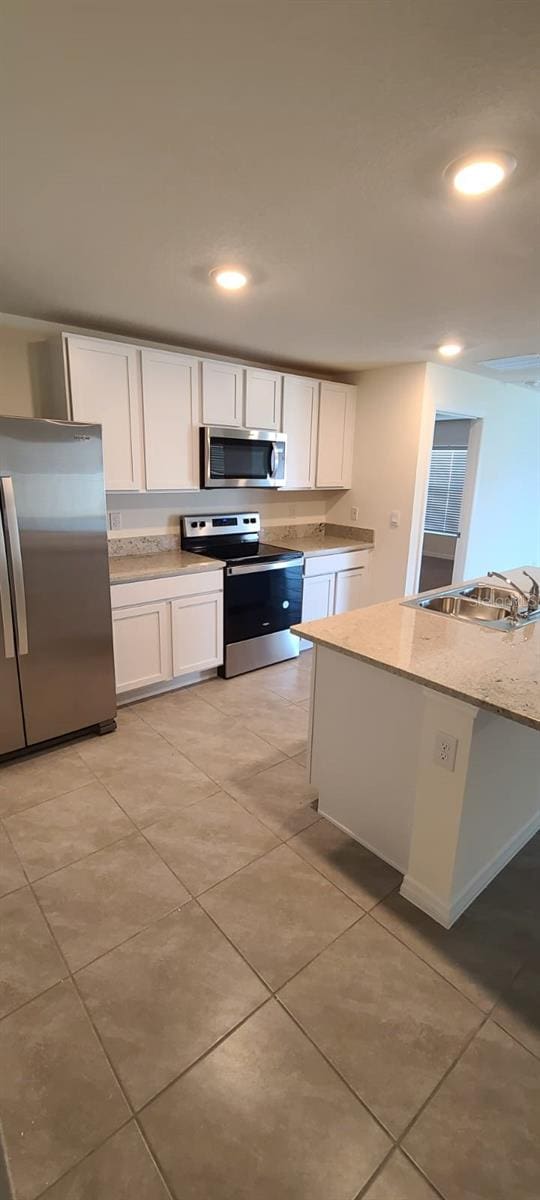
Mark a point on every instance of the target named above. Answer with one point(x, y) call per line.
point(262, 590)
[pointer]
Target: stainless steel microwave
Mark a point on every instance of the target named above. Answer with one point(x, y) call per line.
point(242, 458)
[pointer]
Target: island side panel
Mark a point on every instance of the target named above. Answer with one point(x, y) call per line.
point(364, 748)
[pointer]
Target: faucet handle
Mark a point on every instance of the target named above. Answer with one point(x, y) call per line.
point(535, 590)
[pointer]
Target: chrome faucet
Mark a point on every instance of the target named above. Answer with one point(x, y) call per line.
point(532, 599)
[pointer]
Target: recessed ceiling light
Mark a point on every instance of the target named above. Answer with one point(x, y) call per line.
point(450, 349)
point(476, 175)
point(231, 279)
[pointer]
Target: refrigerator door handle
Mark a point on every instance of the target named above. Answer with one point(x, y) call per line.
point(8, 497)
point(5, 598)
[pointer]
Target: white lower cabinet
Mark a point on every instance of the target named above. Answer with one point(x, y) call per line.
point(142, 646)
point(335, 583)
point(197, 633)
point(349, 590)
point(166, 628)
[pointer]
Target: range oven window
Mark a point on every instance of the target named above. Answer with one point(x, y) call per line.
point(262, 601)
point(237, 458)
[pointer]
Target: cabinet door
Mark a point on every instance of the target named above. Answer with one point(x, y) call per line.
point(170, 389)
point(336, 433)
point(349, 590)
point(197, 632)
point(317, 601)
point(105, 390)
point(300, 411)
point(142, 645)
point(263, 399)
point(222, 387)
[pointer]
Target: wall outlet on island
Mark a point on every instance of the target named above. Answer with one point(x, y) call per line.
point(445, 750)
point(354, 513)
point(115, 520)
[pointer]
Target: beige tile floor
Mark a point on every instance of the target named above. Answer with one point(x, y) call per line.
point(209, 993)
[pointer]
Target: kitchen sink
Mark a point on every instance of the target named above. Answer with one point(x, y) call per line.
point(488, 606)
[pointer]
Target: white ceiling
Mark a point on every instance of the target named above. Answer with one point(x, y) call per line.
point(145, 143)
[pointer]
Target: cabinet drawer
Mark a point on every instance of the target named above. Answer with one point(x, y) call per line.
point(324, 564)
point(148, 590)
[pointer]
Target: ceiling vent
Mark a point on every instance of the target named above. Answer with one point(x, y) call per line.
point(520, 362)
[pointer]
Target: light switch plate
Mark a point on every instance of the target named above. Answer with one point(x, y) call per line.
point(395, 518)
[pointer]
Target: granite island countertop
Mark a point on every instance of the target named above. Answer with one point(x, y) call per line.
point(490, 668)
point(129, 568)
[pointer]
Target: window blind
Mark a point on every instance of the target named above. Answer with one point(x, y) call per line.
point(445, 490)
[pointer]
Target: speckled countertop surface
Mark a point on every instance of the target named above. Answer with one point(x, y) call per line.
point(490, 668)
point(128, 568)
point(315, 544)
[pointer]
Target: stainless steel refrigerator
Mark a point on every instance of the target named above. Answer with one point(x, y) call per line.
point(56, 657)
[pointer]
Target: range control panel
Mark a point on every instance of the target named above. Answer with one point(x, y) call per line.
point(212, 525)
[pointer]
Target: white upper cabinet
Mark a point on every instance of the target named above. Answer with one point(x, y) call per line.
point(105, 390)
point(300, 413)
point(263, 399)
point(222, 393)
point(170, 390)
point(336, 434)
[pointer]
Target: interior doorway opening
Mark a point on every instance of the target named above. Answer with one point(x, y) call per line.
point(443, 522)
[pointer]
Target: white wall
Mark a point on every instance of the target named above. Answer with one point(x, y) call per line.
point(18, 391)
point(505, 519)
point(159, 513)
point(388, 430)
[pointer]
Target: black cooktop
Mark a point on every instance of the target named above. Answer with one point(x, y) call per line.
point(229, 551)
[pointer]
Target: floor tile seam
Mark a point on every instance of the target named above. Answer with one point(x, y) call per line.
point(74, 983)
point(57, 796)
point(185, 807)
point(335, 1070)
point(72, 973)
point(43, 992)
point(193, 762)
point(193, 895)
point(167, 1185)
point(320, 871)
point(513, 1037)
point(433, 1093)
point(47, 1191)
point(124, 837)
point(195, 900)
point(379, 1170)
point(139, 1112)
point(241, 716)
point(317, 955)
point(249, 810)
point(131, 937)
point(427, 963)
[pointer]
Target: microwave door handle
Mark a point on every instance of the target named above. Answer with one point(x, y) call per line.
point(5, 598)
point(273, 461)
point(8, 498)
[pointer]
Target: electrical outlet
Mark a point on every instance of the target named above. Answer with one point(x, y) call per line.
point(115, 520)
point(354, 513)
point(445, 750)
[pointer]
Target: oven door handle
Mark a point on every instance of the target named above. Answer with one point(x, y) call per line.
point(251, 568)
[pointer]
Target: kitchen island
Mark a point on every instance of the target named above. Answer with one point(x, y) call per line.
point(424, 743)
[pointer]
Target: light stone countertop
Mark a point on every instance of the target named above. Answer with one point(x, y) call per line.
point(315, 544)
point(493, 669)
point(129, 568)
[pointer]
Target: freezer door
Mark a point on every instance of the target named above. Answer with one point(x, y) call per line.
point(51, 477)
point(11, 718)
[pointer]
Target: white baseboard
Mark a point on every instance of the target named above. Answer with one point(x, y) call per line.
point(367, 846)
point(171, 685)
point(447, 913)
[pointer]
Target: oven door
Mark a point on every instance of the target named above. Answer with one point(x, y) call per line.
point(242, 458)
point(262, 599)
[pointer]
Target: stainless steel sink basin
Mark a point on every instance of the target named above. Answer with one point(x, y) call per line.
point(462, 606)
point(478, 602)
